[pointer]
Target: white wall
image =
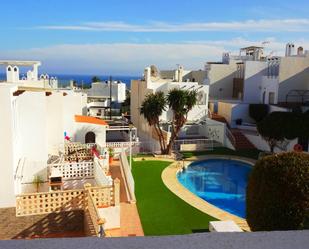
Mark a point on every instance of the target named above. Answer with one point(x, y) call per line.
point(269, 84)
point(220, 80)
point(233, 111)
point(73, 104)
point(254, 71)
point(103, 89)
point(293, 74)
point(7, 194)
point(81, 129)
point(55, 130)
point(261, 144)
point(31, 109)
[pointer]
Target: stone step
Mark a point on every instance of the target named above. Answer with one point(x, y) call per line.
point(241, 141)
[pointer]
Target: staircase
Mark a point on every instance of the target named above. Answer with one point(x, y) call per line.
point(241, 141)
point(237, 138)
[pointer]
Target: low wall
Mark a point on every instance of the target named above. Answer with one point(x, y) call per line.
point(233, 111)
point(64, 224)
point(261, 144)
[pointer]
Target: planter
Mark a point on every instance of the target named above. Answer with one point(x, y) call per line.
point(111, 159)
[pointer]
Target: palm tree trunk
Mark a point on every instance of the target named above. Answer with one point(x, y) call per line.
point(161, 138)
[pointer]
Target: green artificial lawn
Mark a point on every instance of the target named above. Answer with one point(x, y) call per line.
point(162, 212)
point(250, 153)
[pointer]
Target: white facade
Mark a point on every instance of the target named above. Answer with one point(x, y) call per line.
point(260, 79)
point(31, 129)
point(152, 84)
point(31, 78)
point(102, 90)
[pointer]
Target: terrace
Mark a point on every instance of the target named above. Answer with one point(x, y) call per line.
point(78, 179)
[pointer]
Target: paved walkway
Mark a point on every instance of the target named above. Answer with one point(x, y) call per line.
point(170, 180)
point(130, 224)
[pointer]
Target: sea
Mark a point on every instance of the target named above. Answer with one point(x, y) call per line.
point(85, 80)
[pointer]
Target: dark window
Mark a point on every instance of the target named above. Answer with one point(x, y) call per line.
point(90, 137)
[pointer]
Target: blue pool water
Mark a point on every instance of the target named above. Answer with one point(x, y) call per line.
point(220, 182)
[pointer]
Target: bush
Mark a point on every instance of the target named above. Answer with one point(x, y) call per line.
point(271, 129)
point(278, 193)
point(258, 111)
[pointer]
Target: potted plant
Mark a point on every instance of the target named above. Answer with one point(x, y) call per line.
point(37, 181)
point(111, 154)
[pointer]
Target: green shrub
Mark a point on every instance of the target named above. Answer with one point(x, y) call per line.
point(258, 111)
point(271, 129)
point(278, 193)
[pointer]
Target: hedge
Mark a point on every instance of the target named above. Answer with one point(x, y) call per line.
point(258, 111)
point(278, 193)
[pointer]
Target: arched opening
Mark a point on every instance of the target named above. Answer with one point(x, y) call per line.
point(90, 137)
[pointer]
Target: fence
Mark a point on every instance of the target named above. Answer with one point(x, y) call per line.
point(128, 178)
point(93, 212)
point(103, 196)
point(60, 201)
point(121, 144)
point(48, 202)
point(193, 144)
point(74, 170)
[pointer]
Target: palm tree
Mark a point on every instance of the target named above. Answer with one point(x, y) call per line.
point(152, 108)
point(181, 102)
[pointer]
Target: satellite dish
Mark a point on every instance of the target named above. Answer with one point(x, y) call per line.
point(154, 71)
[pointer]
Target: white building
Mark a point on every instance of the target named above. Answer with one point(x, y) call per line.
point(34, 123)
point(31, 78)
point(255, 78)
point(165, 81)
point(99, 96)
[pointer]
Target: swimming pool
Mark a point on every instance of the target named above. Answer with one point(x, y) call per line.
point(220, 182)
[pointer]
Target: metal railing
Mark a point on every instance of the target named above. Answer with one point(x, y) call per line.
point(193, 144)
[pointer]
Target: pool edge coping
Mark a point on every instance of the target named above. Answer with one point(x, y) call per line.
point(169, 178)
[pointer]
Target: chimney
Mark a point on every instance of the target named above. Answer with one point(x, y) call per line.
point(300, 51)
point(289, 50)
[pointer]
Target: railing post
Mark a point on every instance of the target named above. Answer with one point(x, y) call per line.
point(116, 192)
point(87, 187)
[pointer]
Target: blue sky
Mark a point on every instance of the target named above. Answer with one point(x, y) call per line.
point(122, 37)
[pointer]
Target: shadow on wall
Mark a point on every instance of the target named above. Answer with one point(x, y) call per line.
point(222, 88)
point(63, 224)
point(299, 81)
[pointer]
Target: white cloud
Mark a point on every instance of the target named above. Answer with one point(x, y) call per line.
point(263, 25)
point(131, 58)
point(124, 58)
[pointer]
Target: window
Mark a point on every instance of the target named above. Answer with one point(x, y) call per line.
point(271, 98)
